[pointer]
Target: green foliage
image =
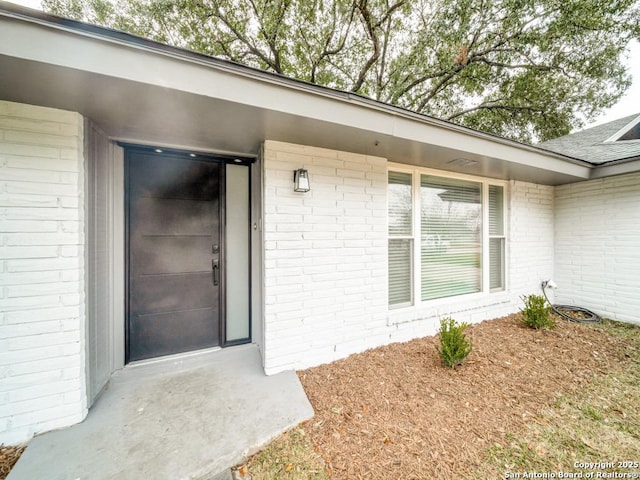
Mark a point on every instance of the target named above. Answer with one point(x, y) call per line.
point(525, 69)
point(536, 312)
point(455, 346)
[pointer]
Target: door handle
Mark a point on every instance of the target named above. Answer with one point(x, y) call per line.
point(214, 267)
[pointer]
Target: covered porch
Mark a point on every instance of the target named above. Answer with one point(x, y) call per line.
point(186, 417)
point(130, 91)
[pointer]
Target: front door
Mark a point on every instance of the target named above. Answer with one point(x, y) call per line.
point(173, 221)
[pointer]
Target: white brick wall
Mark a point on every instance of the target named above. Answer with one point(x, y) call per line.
point(531, 237)
point(42, 383)
point(597, 263)
point(326, 259)
point(325, 255)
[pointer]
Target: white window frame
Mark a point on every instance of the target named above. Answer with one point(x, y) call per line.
point(416, 172)
point(486, 235)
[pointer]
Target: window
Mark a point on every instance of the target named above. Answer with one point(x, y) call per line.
point(437, 240)
point(496, 237)
point(400, 239)
point(451, 237)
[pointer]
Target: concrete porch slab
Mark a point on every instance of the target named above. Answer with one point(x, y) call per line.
point(186, 418)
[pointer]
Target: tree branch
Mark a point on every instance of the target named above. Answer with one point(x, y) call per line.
point(492, 106)
point(270, 37)
point(371, 31)
point(217, 13)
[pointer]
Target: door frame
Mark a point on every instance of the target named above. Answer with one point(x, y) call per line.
point(104, 254)
point(222, 160)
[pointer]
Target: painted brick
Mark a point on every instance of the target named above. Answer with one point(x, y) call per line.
point(71, 251)
point(41, 139)
point(39, 289)
point(27, 200)
point(60, 422)
point(39, 188)
point(9, 383)
point(30, 125)
point(72, 299)
point(38, 391)
point(10, 358)
point(28, 150)
point(32, 328)
point(43, 239)
point(46, 365)
point(69, 202)
point(33, 404)
point(23, 226)
point(342, 305)
point(39, 213)
point(28, 252)
point(18, 174)
point(26, 303)
point(42, 271)
point(26, 278)
point(35, 114)
point(597, 260)
point(34, 421)
point(71, 373)
point(43, 340)
point(43, 164)
point(31, 265)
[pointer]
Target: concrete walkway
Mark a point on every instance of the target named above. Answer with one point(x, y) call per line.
point(187, 418)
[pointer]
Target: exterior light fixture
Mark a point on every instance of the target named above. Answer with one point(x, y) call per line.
point(301, 180)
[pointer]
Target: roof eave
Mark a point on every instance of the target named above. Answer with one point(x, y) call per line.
point(407, 126)
point(617, 167)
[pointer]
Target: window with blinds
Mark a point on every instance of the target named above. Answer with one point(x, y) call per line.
point(439, 245)
point(496, 238)
point(400, 213)
point(451, 237)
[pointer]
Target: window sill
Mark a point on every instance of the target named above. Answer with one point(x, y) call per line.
point(456, 307)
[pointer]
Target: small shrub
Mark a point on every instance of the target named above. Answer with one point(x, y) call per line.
point(536, 312)
point(455, 346)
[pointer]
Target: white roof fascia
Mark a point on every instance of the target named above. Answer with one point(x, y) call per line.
point(619, 167)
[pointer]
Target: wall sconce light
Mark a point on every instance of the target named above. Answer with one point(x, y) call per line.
point(301, 180)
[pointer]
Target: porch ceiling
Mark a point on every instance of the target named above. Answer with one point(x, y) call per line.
point(142, 92)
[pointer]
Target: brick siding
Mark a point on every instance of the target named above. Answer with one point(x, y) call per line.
point(42, 384)
point(597, 261)
point(326, 259)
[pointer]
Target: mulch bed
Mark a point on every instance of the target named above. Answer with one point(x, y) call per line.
point(8, 457)
point(395, 412)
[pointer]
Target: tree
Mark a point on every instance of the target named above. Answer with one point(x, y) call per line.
point(524, 69)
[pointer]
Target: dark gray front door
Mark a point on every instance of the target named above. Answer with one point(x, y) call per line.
point(173, 247)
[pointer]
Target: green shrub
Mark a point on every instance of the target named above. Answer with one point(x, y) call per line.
point(455, 346)
point(536, 312)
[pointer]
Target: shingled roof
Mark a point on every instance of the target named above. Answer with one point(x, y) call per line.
point(600, 144)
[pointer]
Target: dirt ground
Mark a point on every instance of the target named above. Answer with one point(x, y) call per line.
point(396, 412)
